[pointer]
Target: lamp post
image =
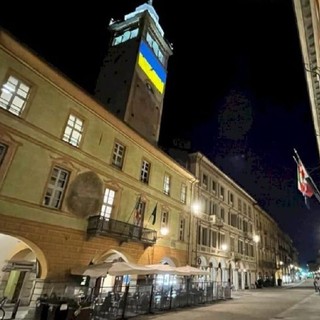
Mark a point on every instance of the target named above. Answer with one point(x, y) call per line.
point(195, 210)
point(256, 239)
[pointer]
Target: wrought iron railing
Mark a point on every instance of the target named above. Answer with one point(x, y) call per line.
point(98, 225)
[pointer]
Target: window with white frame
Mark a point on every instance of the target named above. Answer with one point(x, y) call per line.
point(14, 95)
point(231, 199)
point(73, 131)
point(204, 237)
point(182, 228)
point(3, 151)
point(213, 239)
point(240, 246)
point(164, 219)
point(222, 193)
point(183, 193)
point(107, 205)
point(222, 240)
point(125, 36)
point(118, 155)
point(213, 186)
point(244, 208)
point(249, 212)
point(232, 244)
point(166, 184)
point(222, 214)
point(145, 171)
point(204, 180)
point(56, 188)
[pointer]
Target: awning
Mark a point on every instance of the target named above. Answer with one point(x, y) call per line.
point(124, 268)
point(92, 270)
point(191, 271)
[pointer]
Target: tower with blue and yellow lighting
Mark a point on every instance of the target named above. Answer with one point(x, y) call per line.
point(132, 79)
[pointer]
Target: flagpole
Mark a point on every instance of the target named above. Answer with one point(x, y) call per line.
point(314, 186)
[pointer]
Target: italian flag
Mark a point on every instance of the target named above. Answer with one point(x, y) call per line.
point(303, 185)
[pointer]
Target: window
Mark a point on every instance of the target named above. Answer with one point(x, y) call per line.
point(249, 212)
point(221, 192)
point(244, 208)
point(204, 240)
point(166, 184)
point(164, 219)
point(183, 193)
point(145, 170)
point(245, 226)
point(139, 212)
point(3, 151)
point(205, 181)
point(239, 205)
point(232, 244)
point(234, 220)
point(214, 186)
point(222, 215)
point(127, 35)
point(213, 239)
point(240, 246)
point(222, 240)
point(118, 155)
point(155, 47)
point(56, 188)
point(231, 199)
point(107, 205)
point(73, 131)
point(14, 95)
point(182, 229)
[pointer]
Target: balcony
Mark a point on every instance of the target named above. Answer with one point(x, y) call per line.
point(216, 221)
point(100, 226)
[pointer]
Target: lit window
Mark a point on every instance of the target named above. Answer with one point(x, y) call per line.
point(145, 170)
point(56, 188)
point(183, 193)
point(107, 205)
point(123, 37)
point(73, 131)
point(14, 95)
point(166, 184)
point(164, 219)
point(118, 155)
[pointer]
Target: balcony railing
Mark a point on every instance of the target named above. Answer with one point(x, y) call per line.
point(123, 231)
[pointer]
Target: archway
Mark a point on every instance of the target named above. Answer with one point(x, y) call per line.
point(21, 262)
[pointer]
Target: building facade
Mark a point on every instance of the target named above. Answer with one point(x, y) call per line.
point(80, 185)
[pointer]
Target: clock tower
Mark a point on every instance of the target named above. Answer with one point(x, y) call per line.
point(132, 79)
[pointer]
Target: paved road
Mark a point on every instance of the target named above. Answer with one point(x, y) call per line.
point(293, 302)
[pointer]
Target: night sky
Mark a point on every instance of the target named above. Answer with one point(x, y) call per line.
point(236, 76)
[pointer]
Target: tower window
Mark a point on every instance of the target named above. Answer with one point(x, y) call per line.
point(155, 47)
point(125, 36)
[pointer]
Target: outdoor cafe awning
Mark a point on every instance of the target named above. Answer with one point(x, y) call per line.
point(93, 270)
point(130, 268)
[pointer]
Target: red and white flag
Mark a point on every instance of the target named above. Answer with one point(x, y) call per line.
point(303, 185)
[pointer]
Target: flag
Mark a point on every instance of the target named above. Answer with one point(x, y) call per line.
point(154, 214)
point(303, 181)
point(138, 212)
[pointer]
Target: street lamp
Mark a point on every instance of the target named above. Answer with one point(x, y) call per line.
point(256, 239)
point(193, 227)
